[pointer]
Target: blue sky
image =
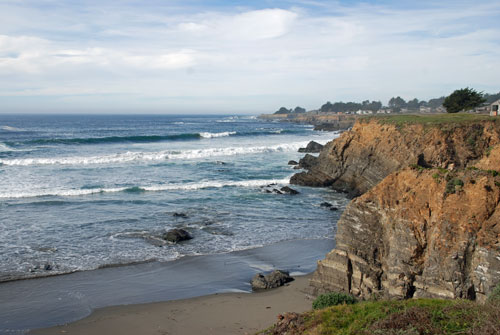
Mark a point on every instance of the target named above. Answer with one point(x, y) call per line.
point(239, 56)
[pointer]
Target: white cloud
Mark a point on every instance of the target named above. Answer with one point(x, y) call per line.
point(296, 56)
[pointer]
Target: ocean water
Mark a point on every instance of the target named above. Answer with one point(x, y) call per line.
point(81, 192)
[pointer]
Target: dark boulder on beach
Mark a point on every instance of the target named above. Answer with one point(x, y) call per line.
point(274, 279)
point(312, 147)
point(292, 162)
point(177, 235)
point(288, 190)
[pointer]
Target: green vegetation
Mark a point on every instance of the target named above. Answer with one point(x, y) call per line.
point(494, 296)
point(488, 151)
point(332, 299)
point(463, 99)
point(429, 120)
point(296, 110)
point(494, 173)
point(437, 177)
point(419, 168)
point(342, 107)
point(451, 185)
point(413, 316)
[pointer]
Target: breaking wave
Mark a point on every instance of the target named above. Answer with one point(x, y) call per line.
point(140, 156)
point(151, 188)
point(145, 138)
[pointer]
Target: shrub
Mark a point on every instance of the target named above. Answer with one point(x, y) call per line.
point(333, 299)
point(495, 294)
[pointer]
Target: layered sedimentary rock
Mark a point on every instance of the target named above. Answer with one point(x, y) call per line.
point(431, 230)
point(360, 158)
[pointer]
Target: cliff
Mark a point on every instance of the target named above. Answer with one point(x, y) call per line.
point(428, 221)
point(375, 147)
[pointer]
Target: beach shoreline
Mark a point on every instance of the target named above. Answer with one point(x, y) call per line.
point(226, 313)
point(60, 300)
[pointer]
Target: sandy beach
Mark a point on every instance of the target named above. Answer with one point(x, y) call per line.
point(227, 313)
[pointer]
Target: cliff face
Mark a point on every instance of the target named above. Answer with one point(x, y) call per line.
point(359, 159)
point(428, 231)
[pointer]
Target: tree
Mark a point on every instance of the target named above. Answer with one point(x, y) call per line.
point(413, 104)
point(282, 110)
point(397, 102)
point(299, 109)
point(328, 107)
point(463, 99)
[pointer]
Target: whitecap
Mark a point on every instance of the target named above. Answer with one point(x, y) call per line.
point(150, 188)
point(139, 156)
point(9, 128)
point(5, 148)
point(212, 135)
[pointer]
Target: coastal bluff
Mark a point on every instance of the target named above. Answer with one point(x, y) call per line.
point(425, 220)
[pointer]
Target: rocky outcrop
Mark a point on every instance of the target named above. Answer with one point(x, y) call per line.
point(360, 158)
point(428, 221)
point(177, 235)
point(408, 237)
point(274, 279)
point(312, 147)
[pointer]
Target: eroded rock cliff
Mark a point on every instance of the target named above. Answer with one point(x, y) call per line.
point(430, 230)
point(360, 158)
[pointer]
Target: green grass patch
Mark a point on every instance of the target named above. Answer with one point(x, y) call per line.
point(333, 299)
point(413, 316)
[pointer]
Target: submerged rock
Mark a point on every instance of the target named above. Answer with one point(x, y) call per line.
point(288, 190)
point(274, 279)
point(180, 215)
point(312, 147)
point(177, 235)
point(292, 162)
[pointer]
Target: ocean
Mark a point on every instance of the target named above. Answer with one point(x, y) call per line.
point(83, 192)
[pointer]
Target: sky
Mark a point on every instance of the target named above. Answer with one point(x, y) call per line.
point(162, 56)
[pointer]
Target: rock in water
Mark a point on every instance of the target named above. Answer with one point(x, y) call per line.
point(292, 162)
point(177, 235)
point(288, 190)
point(274, 279)
point(312, 147)
point(180, 215)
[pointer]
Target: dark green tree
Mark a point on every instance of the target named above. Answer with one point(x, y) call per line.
point(299, 109)
point(413, 104)
point(282, 110)
point(397, 102)
point(463, 99)
point(328, 107)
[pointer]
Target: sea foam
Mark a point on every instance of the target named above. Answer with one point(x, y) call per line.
point(140, 156)
point(149, 188)
point(212, 135)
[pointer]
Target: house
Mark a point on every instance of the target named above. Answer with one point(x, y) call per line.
point(495, 108)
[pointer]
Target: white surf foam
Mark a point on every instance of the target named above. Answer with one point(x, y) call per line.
point(9, 128)
point(5, 148)
point(150, 188)
point(139, 156)
point(212, 135)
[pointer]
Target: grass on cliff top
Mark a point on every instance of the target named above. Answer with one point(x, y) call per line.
point(430, 119)
point(410, 317)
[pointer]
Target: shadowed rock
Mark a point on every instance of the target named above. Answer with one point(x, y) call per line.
point(274, 279)
point(177, 235)
point(288, 190)
point(312, 147)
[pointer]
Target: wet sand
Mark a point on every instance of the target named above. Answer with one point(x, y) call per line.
point(47, 302)
point(226, 313)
